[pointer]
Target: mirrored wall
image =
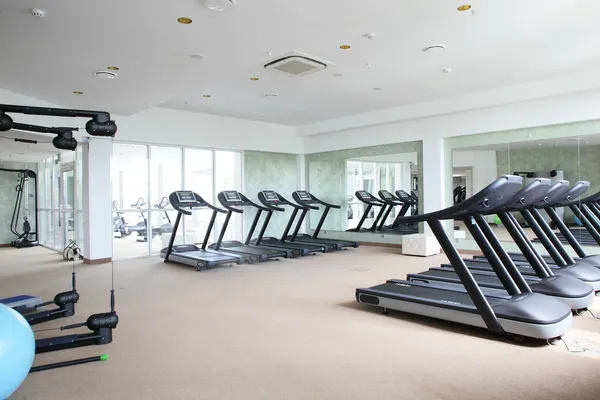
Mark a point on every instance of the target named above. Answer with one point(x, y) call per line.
point(373, 187)
point(143, 177)
point(568, 153)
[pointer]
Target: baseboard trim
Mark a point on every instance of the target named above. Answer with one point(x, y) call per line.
point(376, 244)
point(97, 261)
point(5, 245)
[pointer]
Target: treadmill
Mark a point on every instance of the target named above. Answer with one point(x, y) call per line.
point(230, 199)
point(530, 261)
point(588, 213)
point(273, 201)
point(573, 292)
point(517, 313)
point(185, 201)
point(310, 202)
point(371, 201)
point(393, 201)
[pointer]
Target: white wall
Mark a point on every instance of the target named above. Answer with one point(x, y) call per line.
point(482, 163)
point(183, 128)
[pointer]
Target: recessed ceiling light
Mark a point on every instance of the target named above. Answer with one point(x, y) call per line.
point(184, 20)
point(206, 96)
point(254, 78)
point(434, 48)
point(77, 92)
point(447, 70)
point(271, 95)
point(464, 7)
point(345, 47)
point(105, 74)
point(338, 75)
point(198, 56)
point(377, 89)
point(36, 12)
point(112, 68)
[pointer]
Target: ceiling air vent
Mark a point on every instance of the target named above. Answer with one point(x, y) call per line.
point(296, 64)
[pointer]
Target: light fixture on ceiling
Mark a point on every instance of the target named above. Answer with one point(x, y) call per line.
point(198, 56)
point(464, 7)
point(434, 48)
point(271, 95)
point(368, 65)
point(345, 47)
point(371, 35)
point(77, 92)
point(105, 75)
point(186, 102)
point(254, 78)
point(206, 96)
point(36, 12)
point(218, 5)
point(377, 89)
point(338, 75)
point(184, 20)
point(447, 70)
point(112, 68)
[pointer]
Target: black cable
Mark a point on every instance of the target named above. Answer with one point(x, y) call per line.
point(551, 343)
point(10, 138)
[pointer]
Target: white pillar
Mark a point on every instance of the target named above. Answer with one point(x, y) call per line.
point(97, 200)
point(434, 176)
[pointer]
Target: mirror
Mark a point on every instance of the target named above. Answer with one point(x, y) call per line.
point(373, 187)
point(571, 158)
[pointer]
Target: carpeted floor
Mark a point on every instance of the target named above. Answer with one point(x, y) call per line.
point(284, 330)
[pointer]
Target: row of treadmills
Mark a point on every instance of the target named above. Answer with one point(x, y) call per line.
point(259, 249)
point(519, 295)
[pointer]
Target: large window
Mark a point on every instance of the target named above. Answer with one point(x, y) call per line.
point(143, 177)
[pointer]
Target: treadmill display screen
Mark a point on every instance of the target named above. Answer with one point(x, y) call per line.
point(232, 196)
point(186, 196)
point(364, 195)
point(303, 195)
point(402, 194)
point(386, 194)
point(270, 195)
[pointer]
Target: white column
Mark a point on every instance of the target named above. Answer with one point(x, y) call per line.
point(434, 178)
point(97, 200)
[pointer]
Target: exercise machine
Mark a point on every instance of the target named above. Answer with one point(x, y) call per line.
point(393, 201)
point(120, 227)
point(516, 313)
point(165, 227)
point(231, 199)
point(310, 202)
point(371, 202)
point(28, 236)
point(573, 292)
point(529, 261)
point(274, 201)
point(185, 202)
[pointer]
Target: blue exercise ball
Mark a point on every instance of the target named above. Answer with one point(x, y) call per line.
point(578, 222)
point(17, 350)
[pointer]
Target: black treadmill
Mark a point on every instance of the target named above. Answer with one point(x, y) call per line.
point(573, 292)
point(310, 202)
point(371, 201)
point(518, 312)
point(185, 201)
point(529, 261)
point(393, 201)
point(273, 201)
point(230, 199)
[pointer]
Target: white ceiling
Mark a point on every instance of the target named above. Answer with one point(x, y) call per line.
point(24, 152)
point(500, 43)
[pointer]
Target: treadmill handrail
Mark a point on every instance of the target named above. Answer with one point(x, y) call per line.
point(479, 203)
point(374, 201)
point(591, 199)
point(393, 201)
point(199, 203)
point(557, 189)
point(530, 194)
point(247, 203)
point(280, 198)
point(407, 199)
point(314, 198)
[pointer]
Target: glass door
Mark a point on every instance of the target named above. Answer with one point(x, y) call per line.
point(67, 207)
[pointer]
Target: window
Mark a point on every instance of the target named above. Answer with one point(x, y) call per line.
point(143, 177)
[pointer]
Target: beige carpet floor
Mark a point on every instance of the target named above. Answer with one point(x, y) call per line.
point(288, 330)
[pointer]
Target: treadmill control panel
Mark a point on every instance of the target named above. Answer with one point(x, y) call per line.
point(386, 195)
point(404, 196)
point(363, 195)
point(303, 195)
point(232, 196)
point(185, 196)
point(270, 196)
